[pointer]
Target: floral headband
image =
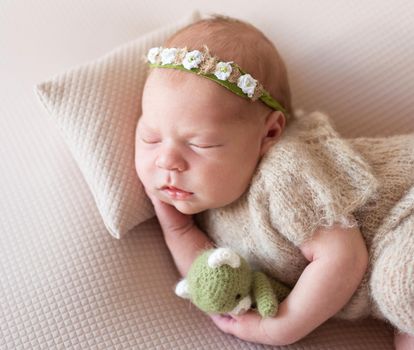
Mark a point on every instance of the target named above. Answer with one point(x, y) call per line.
point(227, 74)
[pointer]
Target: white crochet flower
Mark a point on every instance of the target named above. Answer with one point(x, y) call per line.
point(223, 70)
point(168, 55)
point(192, 59)
point(247, 84)
point(153, 53)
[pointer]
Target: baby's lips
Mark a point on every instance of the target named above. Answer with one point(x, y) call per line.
point(173, 188)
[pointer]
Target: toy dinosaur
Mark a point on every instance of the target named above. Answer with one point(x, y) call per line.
point(221, 281)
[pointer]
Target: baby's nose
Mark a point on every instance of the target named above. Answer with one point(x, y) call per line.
point(171, 160)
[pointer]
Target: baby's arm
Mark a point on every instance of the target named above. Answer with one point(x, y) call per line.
point(186, 245)
point(183, 238)
point(338, 261)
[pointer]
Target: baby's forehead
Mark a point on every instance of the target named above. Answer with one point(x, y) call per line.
point(184, 94)
point(192, 88)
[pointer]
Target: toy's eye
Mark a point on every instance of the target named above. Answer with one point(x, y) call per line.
point(238, 296)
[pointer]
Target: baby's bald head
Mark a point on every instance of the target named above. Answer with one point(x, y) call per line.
point(238, 41)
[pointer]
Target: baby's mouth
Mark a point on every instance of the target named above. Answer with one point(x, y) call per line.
point(176, 193)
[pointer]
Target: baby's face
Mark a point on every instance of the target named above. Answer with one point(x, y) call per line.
point(193, 150)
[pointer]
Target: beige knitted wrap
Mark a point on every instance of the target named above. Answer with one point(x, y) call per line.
point(313, 177)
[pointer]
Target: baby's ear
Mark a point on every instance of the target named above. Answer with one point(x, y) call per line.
point(274, 126)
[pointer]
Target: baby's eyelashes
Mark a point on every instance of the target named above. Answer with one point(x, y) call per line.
point(149, 141)
point(205, 146)
point(191, 144)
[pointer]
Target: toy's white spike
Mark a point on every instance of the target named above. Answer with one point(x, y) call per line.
point(181, 289)
point(223, 256)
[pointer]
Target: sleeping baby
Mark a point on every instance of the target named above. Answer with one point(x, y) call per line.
point(227, 162)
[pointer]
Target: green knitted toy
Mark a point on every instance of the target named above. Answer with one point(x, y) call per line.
point(221, 281)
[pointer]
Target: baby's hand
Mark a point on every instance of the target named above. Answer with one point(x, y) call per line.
point(184, 239)
point(249, 327)
point(171, 220)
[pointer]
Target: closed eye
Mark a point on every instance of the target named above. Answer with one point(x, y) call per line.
point(149, 141)
point(204, 146)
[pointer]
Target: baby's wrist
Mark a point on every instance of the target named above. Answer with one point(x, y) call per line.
point(177, 231)
point(186, 245)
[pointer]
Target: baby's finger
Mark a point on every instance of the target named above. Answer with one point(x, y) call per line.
point(222, 322)
point(149, 194)
point(159, 206)
point(163, 210)
point(246, 327)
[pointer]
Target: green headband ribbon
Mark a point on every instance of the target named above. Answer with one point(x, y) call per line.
point(227, 74)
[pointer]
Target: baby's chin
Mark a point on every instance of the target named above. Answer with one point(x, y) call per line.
point(187, 209)
point(191, 207)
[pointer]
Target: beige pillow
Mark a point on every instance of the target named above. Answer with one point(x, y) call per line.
point(96, 106)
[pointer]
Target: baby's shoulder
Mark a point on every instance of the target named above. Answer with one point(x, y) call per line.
point(310, 126)
point(311, 153)
point(303, 143)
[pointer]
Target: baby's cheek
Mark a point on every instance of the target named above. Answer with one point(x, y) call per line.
point(137, 164)
point(141, 166)
point(143, 174)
